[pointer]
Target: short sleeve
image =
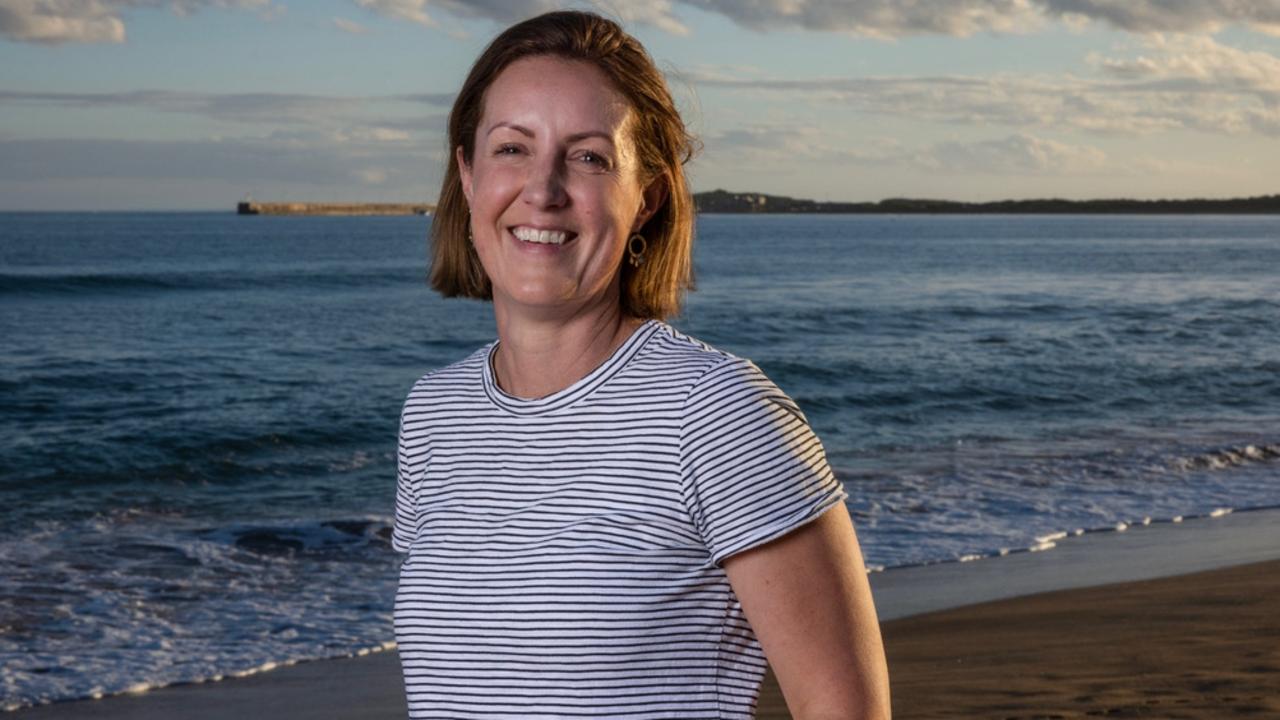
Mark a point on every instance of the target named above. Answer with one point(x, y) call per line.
point(405, 527)
point(752, 469)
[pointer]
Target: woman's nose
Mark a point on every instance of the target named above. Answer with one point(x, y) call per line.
point(544, 186)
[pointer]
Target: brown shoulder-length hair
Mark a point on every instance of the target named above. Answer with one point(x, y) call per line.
point(656, 288)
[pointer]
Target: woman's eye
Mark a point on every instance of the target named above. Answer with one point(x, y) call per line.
point(507, 150)
point(594, 159)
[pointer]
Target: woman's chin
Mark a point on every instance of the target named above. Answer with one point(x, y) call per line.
point(542, 299)
point(546, 299)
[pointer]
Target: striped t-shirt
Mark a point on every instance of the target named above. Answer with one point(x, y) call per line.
point(564, 553)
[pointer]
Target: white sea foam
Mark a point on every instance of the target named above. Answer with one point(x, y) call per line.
point(150, 590)
point(1229, 457)
point(358, 460)
point(264, 667)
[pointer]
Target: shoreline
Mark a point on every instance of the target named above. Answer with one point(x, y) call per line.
point(1091, 565)
point(1163, 548)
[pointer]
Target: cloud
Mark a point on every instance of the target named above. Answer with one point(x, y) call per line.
point(57, 21)
point(657, 13)
point(435, 99)
point(1196, 64)
point(285, 109)
point(1018, 154)
point(959, 18)
point(879, 18)
point(272, 108)
point(350, 26)
point(1161, 83)
point(778, 146)
point(61, 21)
point(375, 134)
point(876, 18)
point(373, 176)
point(411, 10)
point(1202, 84)
point(1171, 83)
point(1001, 100)
point(1147, 16)
point(321, 158)
point(216, 172)
point(501, 11)
point(90, 21)
point(783, 148)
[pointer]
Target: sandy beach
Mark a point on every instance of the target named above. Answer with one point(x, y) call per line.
point(1205, 645)
point(1185, 643)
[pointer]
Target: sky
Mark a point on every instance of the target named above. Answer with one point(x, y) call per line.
point(196, 104)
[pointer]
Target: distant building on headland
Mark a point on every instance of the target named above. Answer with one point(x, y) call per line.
point(249, 207)
point(723, 201)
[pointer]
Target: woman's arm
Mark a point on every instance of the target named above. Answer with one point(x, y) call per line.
point(807, 597)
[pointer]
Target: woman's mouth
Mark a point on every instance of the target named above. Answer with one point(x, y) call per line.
point(542, 236)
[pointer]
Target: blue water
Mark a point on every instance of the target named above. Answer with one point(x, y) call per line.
point(198, 411)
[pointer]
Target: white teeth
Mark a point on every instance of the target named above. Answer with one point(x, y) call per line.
point(545, 237)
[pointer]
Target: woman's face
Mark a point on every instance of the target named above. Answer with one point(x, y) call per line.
point(554, 186)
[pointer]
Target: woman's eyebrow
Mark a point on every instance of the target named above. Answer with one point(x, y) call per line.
point(607, 137)
point(518, 128)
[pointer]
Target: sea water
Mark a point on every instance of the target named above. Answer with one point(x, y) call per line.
point(198, 410)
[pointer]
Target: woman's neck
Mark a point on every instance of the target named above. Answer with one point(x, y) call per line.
point(540, 356)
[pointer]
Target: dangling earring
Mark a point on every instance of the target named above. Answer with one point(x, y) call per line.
point(470, 240)
point(636, 245)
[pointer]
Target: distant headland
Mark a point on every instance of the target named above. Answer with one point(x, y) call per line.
point(249, 207)
point(723, 201)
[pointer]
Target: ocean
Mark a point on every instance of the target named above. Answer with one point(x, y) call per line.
point(198, 410)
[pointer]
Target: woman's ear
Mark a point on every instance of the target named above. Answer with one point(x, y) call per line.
point(652, 198)
point(464, 173)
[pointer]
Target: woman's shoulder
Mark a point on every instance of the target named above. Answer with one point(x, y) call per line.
point(676, 348)
point(461, 375)
point(729, 391)
point(711, 365)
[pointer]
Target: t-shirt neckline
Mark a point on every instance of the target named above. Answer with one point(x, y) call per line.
point(611, 366)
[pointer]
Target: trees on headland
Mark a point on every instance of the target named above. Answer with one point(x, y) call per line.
point(723, 201)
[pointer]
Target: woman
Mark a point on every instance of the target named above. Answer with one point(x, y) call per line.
point(605, 517)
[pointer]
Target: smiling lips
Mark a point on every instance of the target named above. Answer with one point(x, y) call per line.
point(542, 237)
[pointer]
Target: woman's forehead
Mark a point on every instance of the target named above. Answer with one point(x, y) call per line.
point(544, 93)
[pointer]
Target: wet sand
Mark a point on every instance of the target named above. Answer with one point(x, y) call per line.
point(1195, 646)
